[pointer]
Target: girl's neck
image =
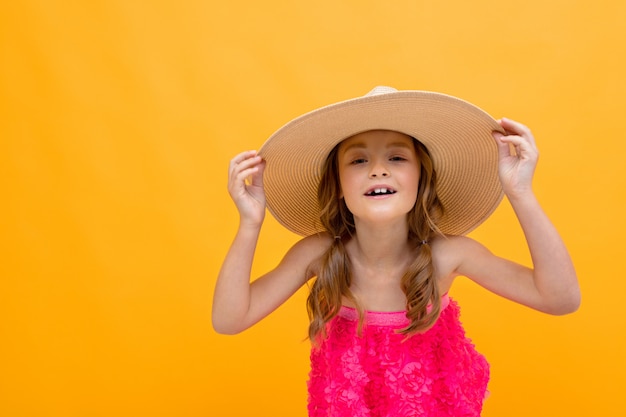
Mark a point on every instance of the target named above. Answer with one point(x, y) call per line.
point(381, 247)
point(379, 258)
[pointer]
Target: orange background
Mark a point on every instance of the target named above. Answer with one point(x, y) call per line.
point(117, 122)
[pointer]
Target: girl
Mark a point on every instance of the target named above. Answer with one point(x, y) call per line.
point(384, 187)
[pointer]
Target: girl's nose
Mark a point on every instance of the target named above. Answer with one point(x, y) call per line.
point(379, 170)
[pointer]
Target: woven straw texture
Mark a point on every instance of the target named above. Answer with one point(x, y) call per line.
point(456, 133)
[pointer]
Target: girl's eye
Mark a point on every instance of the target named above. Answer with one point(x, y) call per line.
point(358, 161)
point(397, 158)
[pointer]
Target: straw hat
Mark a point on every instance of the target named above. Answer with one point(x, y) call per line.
point(456, 133)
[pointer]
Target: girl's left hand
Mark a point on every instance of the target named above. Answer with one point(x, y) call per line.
point(518, 156)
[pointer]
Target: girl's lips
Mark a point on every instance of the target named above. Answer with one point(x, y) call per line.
point(380, 190)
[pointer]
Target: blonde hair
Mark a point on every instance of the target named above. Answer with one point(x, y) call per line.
point(334, 267)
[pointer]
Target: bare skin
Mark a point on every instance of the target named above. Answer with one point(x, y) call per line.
point(379, 250)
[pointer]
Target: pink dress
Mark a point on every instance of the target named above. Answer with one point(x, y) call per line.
point(435, 373)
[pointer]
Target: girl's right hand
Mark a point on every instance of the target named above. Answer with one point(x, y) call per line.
point(245, 186)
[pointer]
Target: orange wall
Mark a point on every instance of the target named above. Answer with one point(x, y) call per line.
point(117, 122)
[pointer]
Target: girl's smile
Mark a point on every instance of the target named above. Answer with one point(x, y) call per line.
point(380, 191)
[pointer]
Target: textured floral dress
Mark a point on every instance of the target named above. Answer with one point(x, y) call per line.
point(380, 374)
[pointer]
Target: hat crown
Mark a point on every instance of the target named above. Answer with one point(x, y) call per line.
point(381, 89)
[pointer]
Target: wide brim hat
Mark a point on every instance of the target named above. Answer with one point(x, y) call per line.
point(457, 134)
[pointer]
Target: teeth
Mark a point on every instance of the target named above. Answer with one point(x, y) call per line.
point(378, 191)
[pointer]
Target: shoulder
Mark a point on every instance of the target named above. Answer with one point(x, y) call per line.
point(308, 251)
point(454, 244)
point(316, 243)
point(450, 254)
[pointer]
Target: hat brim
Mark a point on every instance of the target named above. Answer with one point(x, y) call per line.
point(457, 134)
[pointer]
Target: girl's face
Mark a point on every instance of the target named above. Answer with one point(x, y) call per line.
point(379, 175)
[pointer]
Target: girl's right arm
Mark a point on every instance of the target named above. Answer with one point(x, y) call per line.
point(238, 304)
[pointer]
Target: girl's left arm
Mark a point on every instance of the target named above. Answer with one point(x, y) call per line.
point(551, 285)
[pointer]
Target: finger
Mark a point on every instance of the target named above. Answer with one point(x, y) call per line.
point(518, 140)
point(524, 147)
point(243, 179)
point(256, 178)
point(244, 161)
point(242, 157)
point(241, 175)
point(516, 128)
point(513, 126)
point(504, 149)
point(239, 172)
point(236, 162)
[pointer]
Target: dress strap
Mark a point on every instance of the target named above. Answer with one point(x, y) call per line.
point(445, 301)
point(385, 318)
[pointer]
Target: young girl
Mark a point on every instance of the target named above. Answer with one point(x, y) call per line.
point(384, 187)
